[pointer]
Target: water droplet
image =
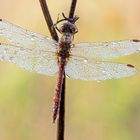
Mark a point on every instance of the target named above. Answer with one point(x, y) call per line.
point(85, 60)
point(103, 71)
point(5, 51)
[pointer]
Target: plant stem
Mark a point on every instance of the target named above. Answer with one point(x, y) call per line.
point(72, 8)
point(48, 19)
point(61, 120)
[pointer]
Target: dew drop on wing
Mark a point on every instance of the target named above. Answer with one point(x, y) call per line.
point(103, 71)
point(5, 51)
point(85, 60)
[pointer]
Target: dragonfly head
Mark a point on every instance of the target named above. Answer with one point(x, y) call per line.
point(69, 25)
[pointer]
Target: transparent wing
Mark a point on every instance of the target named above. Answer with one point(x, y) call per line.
point(92, 70)
point(27, 39)
point(106, 50)
point(30, 59)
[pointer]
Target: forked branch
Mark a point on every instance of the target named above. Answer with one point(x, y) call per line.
point(61, 120)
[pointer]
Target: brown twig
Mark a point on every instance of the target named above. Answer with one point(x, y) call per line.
point(61, 120)
point(72, 8)
point(48, 19)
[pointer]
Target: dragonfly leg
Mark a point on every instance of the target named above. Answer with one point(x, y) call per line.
point(76, 30)
point(55, 26)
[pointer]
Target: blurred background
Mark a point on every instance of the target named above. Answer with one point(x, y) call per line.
point(108, 110)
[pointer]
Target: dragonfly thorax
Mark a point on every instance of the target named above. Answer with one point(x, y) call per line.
point(65, 45)
point(66, 38)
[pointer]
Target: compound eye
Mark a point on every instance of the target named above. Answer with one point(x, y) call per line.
point(73, 28)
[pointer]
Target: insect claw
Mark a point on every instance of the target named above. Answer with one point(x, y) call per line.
point(75, 18)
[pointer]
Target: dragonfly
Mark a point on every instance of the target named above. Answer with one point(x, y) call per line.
point(84, 61)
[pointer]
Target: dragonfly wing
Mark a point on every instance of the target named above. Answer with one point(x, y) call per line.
point(106, 50)
point(30, 59)
point(92, 70)
point(27, 39)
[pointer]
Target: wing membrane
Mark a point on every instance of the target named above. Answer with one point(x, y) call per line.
point(27, 39)
point(92, 70)
point(106, 50)
point(30, 59)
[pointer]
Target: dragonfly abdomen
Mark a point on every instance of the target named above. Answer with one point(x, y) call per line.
point(58, 89)
point(63, 55)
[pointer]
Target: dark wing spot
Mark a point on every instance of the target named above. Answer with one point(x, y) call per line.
point(129, 65)
point(0, 19)
point(136, 40)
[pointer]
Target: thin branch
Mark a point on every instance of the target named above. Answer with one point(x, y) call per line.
point(48, 19)
point(72, 8)
point(61, 120)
